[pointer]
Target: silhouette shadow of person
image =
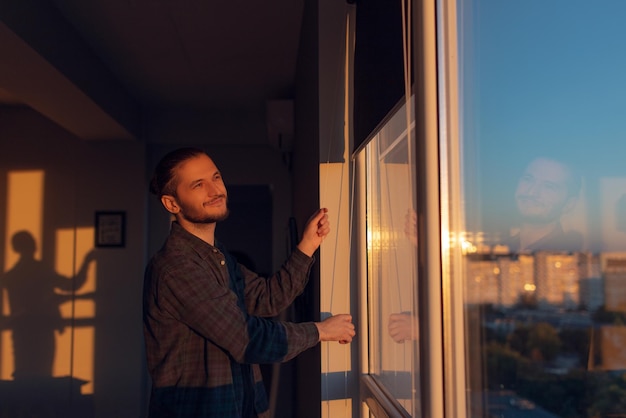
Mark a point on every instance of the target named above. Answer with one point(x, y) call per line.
point(33, 288)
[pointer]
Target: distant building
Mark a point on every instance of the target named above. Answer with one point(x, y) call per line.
point(547, 279)
point(589, 265)
point(516, 279)
point(557, 279)
point(591, 285)
point(483, 282)
point(499, 279)
point(607, 348)
point(591, 293)
point(614, 273)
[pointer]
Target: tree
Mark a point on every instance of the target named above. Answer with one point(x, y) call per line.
point(576, 341)
point(543, 342)
point(609, 402)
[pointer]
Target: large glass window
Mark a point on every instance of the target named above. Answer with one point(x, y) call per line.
point(533, 218)
point(391, 263)
point(538, 210)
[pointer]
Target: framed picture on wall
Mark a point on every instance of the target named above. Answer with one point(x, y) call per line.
point(110, 229)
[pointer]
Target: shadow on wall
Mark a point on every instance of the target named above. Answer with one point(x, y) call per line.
point(32, 324)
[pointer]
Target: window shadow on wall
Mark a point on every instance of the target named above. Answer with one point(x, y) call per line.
point(32, 323)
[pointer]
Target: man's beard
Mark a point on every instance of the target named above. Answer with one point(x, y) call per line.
point(206, 219)
point(203, 218)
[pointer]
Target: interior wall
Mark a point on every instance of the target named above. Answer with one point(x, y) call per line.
point(82, 177)
point(51, 185)
point(307, 379)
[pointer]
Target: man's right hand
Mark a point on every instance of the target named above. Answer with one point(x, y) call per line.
point(315, 230)
point(336, 328)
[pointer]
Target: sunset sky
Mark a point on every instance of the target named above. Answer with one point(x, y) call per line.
point(544, 77)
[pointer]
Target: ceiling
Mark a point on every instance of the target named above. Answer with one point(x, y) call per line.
point(132, 57)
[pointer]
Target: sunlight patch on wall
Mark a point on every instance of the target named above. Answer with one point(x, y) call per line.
point(24, 202)
point(76, 360)
point(24, 210)
point(336, 359)
point(84, 338)
point(84, 306)
point(7, 356)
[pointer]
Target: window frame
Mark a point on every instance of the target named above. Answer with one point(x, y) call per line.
point(442, 360)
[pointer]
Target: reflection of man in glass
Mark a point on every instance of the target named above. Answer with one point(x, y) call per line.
point(546, 190)
point(34, 307)
point(402, 326)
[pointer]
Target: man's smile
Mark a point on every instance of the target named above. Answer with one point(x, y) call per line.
point(217, 201)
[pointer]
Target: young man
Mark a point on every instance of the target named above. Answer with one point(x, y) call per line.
point(546, 190)
point(205, 315)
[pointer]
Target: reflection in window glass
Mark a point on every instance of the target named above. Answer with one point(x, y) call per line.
point(391, 246)
point(544, 191)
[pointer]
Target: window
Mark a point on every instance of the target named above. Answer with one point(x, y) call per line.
point(391, 240)
point(528, 227)
point(536, 207)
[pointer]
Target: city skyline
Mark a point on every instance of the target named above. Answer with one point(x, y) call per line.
point(551, 279)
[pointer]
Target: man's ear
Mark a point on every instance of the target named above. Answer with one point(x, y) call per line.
point(170, 204)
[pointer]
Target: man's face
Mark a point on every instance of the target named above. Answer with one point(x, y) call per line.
point(542, 193)
point(200, 192)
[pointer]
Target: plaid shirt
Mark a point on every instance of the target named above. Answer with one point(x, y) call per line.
point(205, 328)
